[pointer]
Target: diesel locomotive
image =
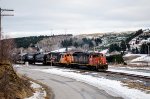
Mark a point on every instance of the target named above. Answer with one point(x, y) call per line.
point(91, 60)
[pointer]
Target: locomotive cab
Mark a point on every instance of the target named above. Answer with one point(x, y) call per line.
point(98, 60)
point(66, 58)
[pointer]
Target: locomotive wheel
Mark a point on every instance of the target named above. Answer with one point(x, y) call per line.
point(102, 68)
point(44, 63)
point(91, 68)
point(68, 66)
point(75, 66)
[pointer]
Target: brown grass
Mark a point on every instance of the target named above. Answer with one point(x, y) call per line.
point(49, 92)
point(11, 86)
point(137, 85)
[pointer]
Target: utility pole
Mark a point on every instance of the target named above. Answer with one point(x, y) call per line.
point(51, 32)
point(51, 48)
point(1, 14)
point(148, 50)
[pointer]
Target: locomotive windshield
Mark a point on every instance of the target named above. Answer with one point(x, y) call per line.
point(95, 55)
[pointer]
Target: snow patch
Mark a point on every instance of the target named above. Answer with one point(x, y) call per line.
point(104, 51)
point(40, 93)
point(61, 50)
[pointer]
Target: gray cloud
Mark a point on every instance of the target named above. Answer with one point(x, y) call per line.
point(82, 16)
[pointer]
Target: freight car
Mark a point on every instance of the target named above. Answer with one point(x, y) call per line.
point(29, 57)
point(91, 60)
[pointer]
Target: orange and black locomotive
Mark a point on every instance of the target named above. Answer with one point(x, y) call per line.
point(91, 60)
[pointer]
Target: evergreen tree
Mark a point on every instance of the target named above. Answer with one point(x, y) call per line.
point(25, 42)
point(128, 46)
point(123, 45)
point(136, 51)
point(76, 44)
point(114, 47)
point(133, 51)
point(91, 45)
point(66, 43)
point(97, 41)
point(143, 49)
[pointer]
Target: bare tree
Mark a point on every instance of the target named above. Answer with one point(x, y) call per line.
point(6, 49)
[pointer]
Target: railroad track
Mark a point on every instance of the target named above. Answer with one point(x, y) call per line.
point(127, 74)
point(116, 73)
point(112, 72)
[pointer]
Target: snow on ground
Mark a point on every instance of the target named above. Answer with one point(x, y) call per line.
point(104, 51)
point(142, 58)
point(139, 60)
point(61, 50)
point(17, 66)
point(40, 93)
point(130, 72)
point(113, 87)
point(128, 55)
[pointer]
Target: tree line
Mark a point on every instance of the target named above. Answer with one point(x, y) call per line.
point(25, 42)
point(144, 48)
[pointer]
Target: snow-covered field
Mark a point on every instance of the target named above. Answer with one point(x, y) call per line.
point(113, 87)
point(144, 58)
point(139, 60)
point(40, 93)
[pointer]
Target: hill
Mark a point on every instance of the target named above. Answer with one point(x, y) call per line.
point(32, 41)
point(25, 42)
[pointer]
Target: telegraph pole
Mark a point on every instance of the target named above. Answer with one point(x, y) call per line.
point(1, 14)
point(0, 23)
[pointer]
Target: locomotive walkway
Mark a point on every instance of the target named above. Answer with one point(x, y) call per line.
point(64, 88)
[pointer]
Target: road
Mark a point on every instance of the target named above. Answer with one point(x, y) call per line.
point(62, 87)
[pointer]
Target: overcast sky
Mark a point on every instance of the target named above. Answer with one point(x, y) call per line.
point(40, 17)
